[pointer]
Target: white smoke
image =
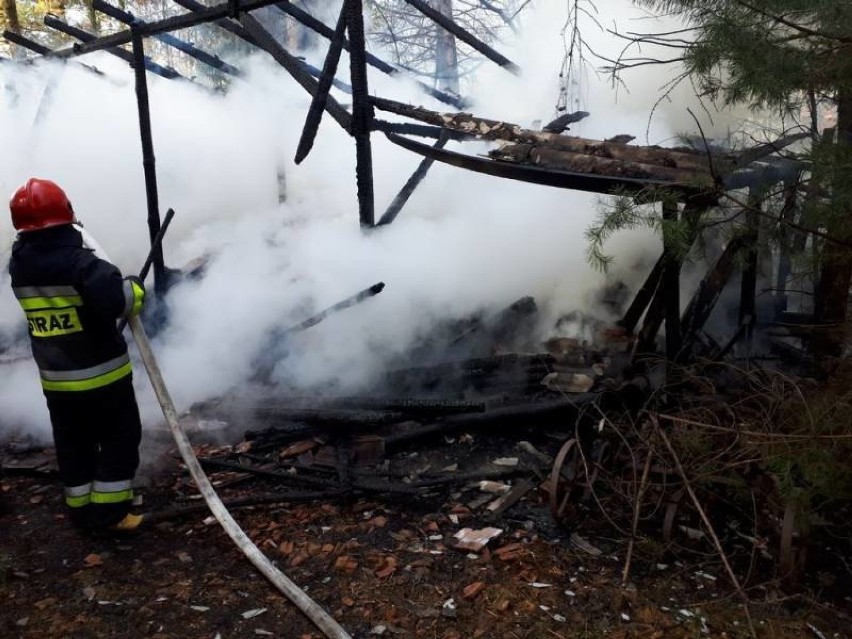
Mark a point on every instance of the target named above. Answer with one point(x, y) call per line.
point(464, 241)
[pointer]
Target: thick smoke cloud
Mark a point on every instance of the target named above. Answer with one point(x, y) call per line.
point(463, 243)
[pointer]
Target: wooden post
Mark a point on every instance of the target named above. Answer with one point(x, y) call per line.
point(670, 284)
point(148, 161)
point(362, 112)
point(749, 278)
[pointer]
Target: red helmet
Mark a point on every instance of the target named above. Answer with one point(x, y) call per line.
point(40, 204)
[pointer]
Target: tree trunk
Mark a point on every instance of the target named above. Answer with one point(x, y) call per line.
point(10, 11)
point(835, 276)
point(446, 57)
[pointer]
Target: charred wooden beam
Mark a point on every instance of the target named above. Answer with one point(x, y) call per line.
point(420, 130)
point(362, 112)
point(25, 42)
point(462, 34)
point(273, 352)
point(407, 405)
point(175, 23)
point(485, 129)
point(657, 310)
point(329, 69)
point(748, 289)
point(294, 67)
point(166, 38)
point(148, 163)
point(704, 300)
point(84, 36)
point(670, 283)
point(319, 27)
point(558, 158)
point(643, 297)
point(648, 190)
point(411, 185)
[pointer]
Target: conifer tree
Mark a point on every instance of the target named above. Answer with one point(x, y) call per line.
point(794, 55)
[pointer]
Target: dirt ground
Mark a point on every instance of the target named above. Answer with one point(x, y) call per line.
point(381, 568)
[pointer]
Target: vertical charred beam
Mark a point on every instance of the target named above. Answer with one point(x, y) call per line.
point(785, 267)
point(412, 183)
point(463, 35)
point(702, 303)
point(148, 161)
point(329, 69)
point(657, 312)
point(643, 297)
point(670, 283)
point(362, 111)
point(748, 287)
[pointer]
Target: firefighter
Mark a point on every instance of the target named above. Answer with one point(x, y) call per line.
point(72, 300)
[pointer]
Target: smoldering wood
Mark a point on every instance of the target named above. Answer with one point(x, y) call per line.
point(362, 112)
point(558, 158)
point(322, 29)
point(647, 190)
point(496, 130)
point(465, 36)
point(167, 38)
point(407, 405)
point(148, 164)
point(420, 130)
point(411, 185)
point(277, 339)
point(329, 69)
point(84, 36)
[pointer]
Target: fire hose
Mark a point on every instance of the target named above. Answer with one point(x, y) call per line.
point(308, 606)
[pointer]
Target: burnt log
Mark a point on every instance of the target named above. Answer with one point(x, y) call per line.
point(485, 129)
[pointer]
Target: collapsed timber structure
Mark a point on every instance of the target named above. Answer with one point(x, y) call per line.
point(334, 446)
point(689, 181)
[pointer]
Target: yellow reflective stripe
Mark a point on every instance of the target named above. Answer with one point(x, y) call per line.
point(78, 502)
point(39, 303)
point(112, 498)
point(87, 384)
point(138, 298)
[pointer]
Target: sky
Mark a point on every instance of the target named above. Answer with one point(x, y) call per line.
point(464, 242)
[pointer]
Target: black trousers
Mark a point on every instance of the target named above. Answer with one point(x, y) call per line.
point(97, 434)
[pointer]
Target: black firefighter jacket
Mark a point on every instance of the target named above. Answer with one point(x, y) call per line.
point(72, 300)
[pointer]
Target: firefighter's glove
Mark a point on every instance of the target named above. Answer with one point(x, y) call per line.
point(134, 295)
